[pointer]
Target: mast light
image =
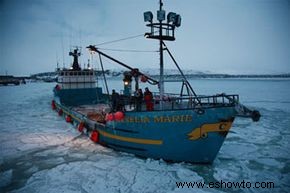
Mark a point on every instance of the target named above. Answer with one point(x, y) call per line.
point(177, 21)
point(161, 15)
point(148, 16)
point(171, 17)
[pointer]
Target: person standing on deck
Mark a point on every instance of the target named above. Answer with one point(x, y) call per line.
point(148, 97)
point(115, 100)
point(139, 99)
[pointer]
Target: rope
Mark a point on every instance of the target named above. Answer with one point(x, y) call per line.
point(101, 62)
point(122, 39)
point(123, 50)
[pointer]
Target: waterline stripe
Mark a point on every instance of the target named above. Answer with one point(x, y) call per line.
point(131, 140)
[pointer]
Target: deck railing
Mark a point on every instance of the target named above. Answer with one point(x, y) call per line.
point(177, 102)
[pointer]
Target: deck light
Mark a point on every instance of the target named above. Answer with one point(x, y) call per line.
point(148, 16)
point(177, 21)
point(127, 78)
point(161, 15)
point(171, 17)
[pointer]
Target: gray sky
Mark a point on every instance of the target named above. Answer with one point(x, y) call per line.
point(219, 36)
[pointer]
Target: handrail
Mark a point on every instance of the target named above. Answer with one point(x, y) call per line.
point(177, 102)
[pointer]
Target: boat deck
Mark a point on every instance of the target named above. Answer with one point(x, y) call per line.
point(170, 102)
point(177, 102)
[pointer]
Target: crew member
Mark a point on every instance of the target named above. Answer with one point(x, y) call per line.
point(139, 99)
point(148, 97)
point(115, 100)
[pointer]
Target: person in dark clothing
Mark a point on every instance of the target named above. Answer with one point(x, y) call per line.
point(139, 99)
point(115, 100)
point(148, 97)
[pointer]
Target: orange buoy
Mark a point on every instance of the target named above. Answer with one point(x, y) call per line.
point(60, 112)
point(144, 78)
point(95, 136)
point(119, 115)
point(110, 117)
point(68, 119)
point(81, 126)
point(53, 106)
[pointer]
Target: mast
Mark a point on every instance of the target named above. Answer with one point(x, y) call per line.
point(165, 31)
point(75, 54)
point(161, 79)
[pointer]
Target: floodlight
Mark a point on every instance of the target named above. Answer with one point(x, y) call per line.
point(177, 21)
point(148, 16)
point(171, 17)
point(161, 15)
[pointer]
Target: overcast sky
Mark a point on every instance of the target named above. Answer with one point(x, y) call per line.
point(218, 36)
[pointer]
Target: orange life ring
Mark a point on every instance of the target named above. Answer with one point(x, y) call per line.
point(95, 136)
point(81, 126)
point(60, 112)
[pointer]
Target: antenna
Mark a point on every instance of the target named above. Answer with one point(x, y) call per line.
point(80, 48)
point(62, 47)
point(57, 64)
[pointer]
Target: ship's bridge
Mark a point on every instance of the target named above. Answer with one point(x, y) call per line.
point(70, 79)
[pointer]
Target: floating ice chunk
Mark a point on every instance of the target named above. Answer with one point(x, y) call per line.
point(241, 150)
point(110, 174)
point(5, 178)
point(78, 155)
point(54, 161)
point(185, 174)
point(31, 170)
point(270, 162)
point(222, 174)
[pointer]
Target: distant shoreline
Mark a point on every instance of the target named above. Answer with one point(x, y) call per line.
point(227, 76)
point(119, 74)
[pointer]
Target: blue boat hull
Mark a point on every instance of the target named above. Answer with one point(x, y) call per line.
point(190, 135)
point(80, 96)
point(166, 135)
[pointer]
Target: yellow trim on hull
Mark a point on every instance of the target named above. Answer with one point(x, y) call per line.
point(131, 140)
point(202, 131)
point(121, 138)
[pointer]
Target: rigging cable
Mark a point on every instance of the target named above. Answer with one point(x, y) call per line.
point(104, 74)
point(124, 50)
point(184, 77)
point(122, 39)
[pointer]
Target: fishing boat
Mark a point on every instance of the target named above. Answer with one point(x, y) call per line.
point(180, 127)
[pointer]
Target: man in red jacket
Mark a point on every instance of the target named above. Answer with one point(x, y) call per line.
point(148, 97)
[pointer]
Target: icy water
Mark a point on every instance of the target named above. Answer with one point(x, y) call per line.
point(40, 153)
